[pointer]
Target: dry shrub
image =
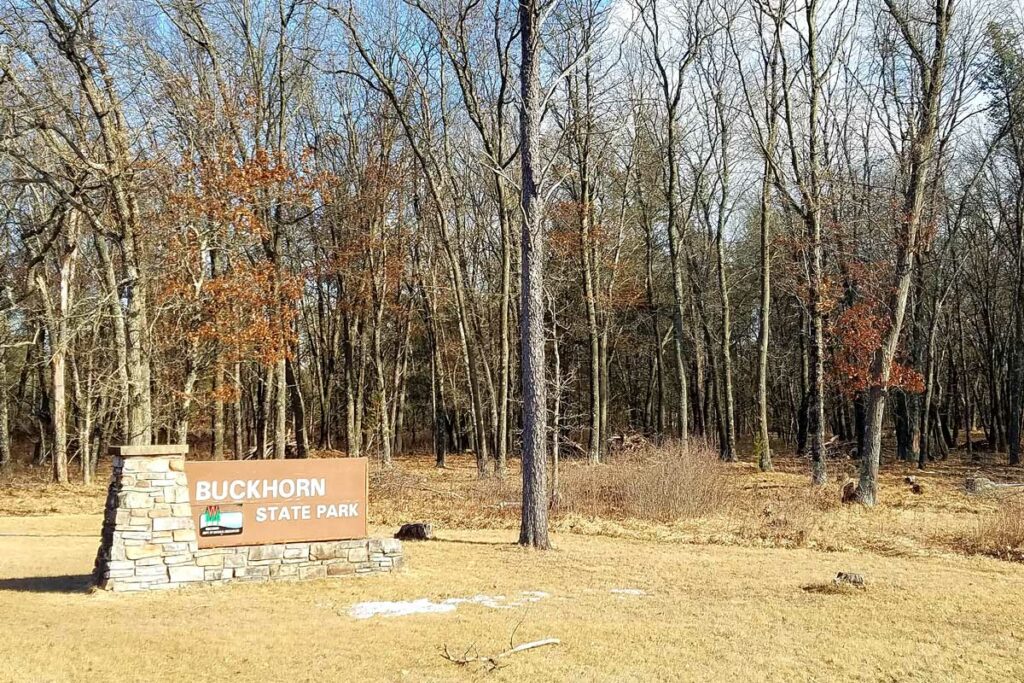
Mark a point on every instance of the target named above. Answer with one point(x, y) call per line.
point(787, 518)
point(494, 501)
point(782, 523)
point(658, 485)
point(453, 498)
point(1001, 534)
point(27, 490)
point(823, 498)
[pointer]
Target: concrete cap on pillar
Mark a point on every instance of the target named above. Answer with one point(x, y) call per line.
point(153, 451)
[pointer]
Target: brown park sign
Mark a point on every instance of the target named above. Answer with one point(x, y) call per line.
point(277, 501)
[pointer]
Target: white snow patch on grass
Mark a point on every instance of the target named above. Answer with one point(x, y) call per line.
point(534, 596)
point(402, 608)
point(492, 601)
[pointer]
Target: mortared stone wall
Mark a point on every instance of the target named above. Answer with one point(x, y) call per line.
point(149, 538)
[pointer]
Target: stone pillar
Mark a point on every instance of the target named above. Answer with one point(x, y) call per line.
point(149, 537)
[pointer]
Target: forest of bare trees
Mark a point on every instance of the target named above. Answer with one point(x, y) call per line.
point(268, 227)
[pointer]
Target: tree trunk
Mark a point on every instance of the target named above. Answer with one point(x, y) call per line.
point(140, 411)
point(910, 219)
point(505, 369)
point(729, 410)
point(58, 411)
point(185, 409)
point(763, 447)
point(83, 421)
point(805, 389)
point(280, 375)
point(263, 412)
point(352, 440)
point(816, 400)
point(533, 529)
point(117, 313)
point(236, 414)
point(590, 301)
point(298, 404)
point(383, 413)
point(217, 447)
point(5, 426)
point(556, 410)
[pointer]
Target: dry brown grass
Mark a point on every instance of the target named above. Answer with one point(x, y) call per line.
point(655, 485)
point(708, 613)
point(664, 495)
point(735, 568)
point(28, 491)
point(1000, 534)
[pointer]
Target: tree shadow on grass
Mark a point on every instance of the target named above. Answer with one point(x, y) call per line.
point(69, 583)
point(467, 541)
point(832, 588)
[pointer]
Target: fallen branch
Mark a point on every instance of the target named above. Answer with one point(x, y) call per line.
point(529, 646)
point(569, 443)
point(492, 661)
point(770, 487)
point(981, 484)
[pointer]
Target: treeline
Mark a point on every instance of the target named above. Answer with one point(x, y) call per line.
point(275, 226)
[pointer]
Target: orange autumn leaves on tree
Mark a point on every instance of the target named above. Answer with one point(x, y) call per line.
point(854, 331)
point(225, 287)
point(234, 198)
point(858, 333)
point(565, 244)
point(249, 312)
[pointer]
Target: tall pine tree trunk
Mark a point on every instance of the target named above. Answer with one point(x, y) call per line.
point(533, 530)
point(5, 425)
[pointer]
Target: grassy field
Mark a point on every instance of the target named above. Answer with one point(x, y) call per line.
point(740, 593)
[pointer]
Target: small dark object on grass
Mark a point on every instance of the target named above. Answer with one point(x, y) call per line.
point(849, 492)
point(909, 480)
point(916, 489)
point(848, 579)
point(418, 531)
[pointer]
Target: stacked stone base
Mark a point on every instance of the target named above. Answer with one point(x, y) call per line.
point(282, 561)
point(149, 539)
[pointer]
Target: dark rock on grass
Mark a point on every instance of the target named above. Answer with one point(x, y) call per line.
point(418, 531)
point(849, 579)
point(849, 494)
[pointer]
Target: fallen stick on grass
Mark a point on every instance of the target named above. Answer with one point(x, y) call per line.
point(981, 485)
point(492, 661)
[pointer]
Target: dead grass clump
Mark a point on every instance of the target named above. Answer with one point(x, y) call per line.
point(662, 485)
point(1001, 534)
point(823, 498)
point(782, 523)
point(27, 490)
point(498, 501)
point(794, 516)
